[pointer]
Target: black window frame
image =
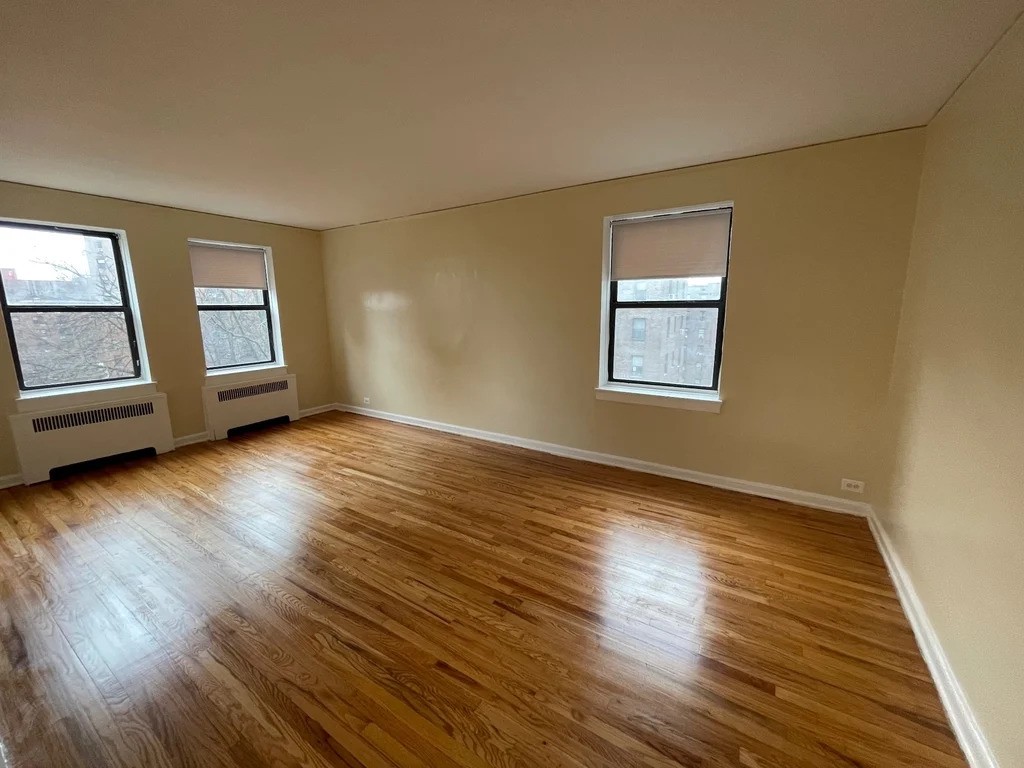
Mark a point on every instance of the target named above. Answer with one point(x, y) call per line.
point(125, 308)
point(614, 304)
point(265, 306)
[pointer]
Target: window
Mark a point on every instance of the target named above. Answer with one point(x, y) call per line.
point(667, 273)
point(66, 306)
point(234, 298)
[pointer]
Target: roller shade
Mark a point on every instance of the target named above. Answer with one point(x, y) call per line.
point(227, 267)
point(687, 245)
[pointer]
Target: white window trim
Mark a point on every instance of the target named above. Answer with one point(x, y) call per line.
point(59, 398)
point(244, 372)
point(646, 394)
point(642, 394)
point(86, 394)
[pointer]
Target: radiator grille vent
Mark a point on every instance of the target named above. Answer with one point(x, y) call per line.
point(94, 416)
point(252, 390)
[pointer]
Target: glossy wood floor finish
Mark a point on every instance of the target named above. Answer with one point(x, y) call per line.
point(350, 592)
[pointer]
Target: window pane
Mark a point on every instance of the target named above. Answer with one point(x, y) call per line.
point(229, 296)
point(63, 268)
point(671, 289)
point(72, 347)
point(678, 346)
point(235, 337)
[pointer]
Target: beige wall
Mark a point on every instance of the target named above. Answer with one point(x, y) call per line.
point(488, 316)
point(157, 244)
point(956, 507)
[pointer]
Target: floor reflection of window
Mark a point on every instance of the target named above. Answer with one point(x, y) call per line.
point(654, 591)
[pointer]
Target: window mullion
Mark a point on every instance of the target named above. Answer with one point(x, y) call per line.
point(694, 304)
point(231, 307)
point(67, 308)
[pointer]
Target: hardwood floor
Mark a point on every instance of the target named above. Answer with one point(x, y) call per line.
point(344, 591)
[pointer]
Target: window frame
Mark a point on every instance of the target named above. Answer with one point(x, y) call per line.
point(610, 303)
point(126, 308)
point(265, 307)
point(269, 305)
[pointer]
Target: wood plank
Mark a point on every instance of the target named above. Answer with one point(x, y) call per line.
point(349, 592)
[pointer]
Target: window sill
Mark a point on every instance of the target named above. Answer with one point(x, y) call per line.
point(89, 394)
point(691, 400)
point(246, 373)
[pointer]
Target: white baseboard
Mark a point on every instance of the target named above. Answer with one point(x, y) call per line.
point(958, 709)
point(317, 409)
point(804, 498)
point(198, 437)
point(8, 481)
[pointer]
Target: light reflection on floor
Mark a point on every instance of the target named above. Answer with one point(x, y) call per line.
point(665, 613)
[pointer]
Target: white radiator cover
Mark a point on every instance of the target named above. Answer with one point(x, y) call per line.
point(246, 402)
point(55, 438)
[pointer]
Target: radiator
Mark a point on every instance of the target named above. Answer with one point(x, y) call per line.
point(241, 403)
point(49, 439)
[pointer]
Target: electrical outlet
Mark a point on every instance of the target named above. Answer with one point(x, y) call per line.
point(852, 486)
point(366, 401)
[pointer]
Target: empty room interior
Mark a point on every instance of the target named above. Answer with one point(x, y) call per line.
point(529, 384)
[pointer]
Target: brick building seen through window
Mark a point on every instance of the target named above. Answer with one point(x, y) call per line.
point(673, 345)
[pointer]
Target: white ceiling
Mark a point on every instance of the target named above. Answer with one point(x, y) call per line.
point(322, 113)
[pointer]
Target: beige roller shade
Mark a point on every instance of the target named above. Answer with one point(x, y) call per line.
point(227, 267)
point(687, 245)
